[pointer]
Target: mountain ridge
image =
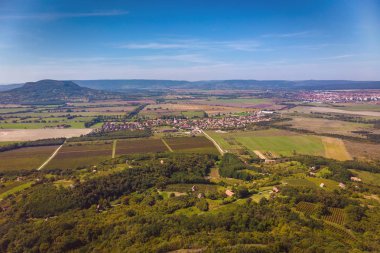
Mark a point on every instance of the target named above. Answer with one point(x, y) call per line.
point(48, 91)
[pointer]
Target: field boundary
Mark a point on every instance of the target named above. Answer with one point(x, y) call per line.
point(114, 148)
point(50, 158)
point(167, 145)
point(221, 151)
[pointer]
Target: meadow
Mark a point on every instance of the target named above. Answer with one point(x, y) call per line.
point(274, 143)
point(322, 126)
point(7, 135)
point(368, 177)
point(277, 142)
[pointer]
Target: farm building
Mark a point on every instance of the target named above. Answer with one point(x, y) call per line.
point(229, 193)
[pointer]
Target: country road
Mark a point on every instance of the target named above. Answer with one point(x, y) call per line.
point(221, 151)
point(51, 157)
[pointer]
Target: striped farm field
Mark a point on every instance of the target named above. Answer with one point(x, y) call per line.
point(81, 154)
point(336, 215)
point(306, 207)
point(124, 147)
point(196, 144)
point(25, 158)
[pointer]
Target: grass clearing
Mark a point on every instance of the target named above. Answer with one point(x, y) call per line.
point(15, 189)
point(335, 148)
point(368, 177)
point(284, 145)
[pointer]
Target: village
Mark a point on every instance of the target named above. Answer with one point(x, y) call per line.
point(347, 96)
point(213, 123)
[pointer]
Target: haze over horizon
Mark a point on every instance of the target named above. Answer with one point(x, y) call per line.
point(189, 40)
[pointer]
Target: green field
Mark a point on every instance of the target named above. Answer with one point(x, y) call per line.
point(312, 182)
point(284, 145)
point(16, 187)
point(368, 177)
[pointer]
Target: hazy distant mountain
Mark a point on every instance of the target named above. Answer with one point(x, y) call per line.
point(10, 86)
point(70, 90)
point(47, 91)
point(229, 84)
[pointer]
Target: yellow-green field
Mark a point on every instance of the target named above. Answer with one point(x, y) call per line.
point(274, 143)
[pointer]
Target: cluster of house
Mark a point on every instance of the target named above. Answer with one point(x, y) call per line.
point(339, 96)
point(228, 122)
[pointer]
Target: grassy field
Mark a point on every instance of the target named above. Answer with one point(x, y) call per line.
point(25, 158)
point(336, 149)
point(15, 188)
point(36, 134)
point(361, 150)
point(197, 144)
point(204, 188)
point(329, 126)
point(280, 142)
point(284, 145)
point(312, 182)
point(309, 109)
point(81, 154)
point(368, 177)
point(124, 147)
point(175, 108)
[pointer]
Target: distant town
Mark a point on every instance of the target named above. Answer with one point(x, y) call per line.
point(228, 122)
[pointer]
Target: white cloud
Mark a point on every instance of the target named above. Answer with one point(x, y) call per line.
point(64, 15)
point(289, 35)
point(240, 45)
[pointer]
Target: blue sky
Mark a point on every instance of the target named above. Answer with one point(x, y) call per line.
point(189, 39)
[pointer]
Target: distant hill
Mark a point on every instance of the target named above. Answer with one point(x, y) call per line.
point(48, 90)
point(53, 91)
point(120, 85)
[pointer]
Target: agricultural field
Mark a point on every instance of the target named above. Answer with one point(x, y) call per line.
point(184, 188)
point(124, 147)
point(81, 154)
point(196, 144)
point(312, 182)
point(259, 103)
point(362, 150)
point(274, 143)
point(25, 158)
point(36, 134)
point(336, 149)
point(322, 126)
point(177, 109)
point(336, 215)
point(310, 109)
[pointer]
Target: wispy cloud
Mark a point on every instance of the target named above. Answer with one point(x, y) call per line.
point(241, 45)
point(288, 35)
point(65, 15)
point(337, 57)
point(153, 45)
